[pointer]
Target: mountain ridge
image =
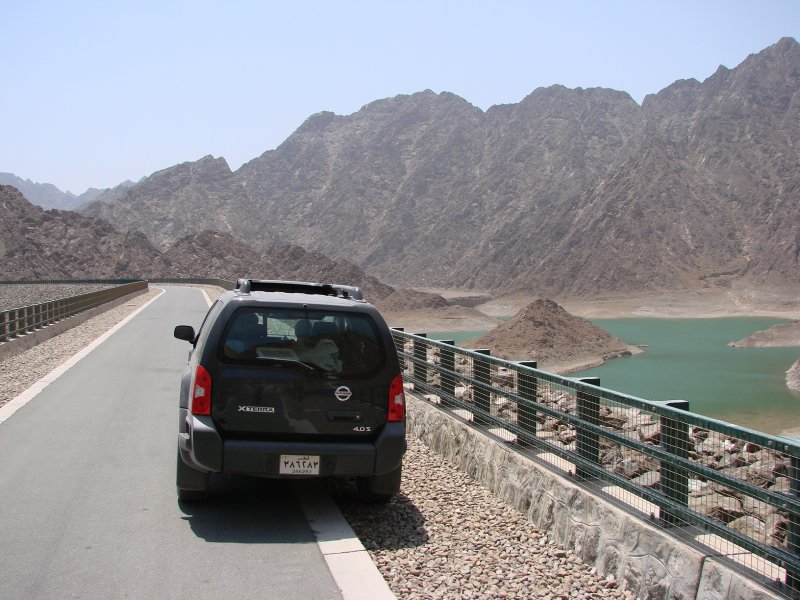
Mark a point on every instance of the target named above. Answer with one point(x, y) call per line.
point(570, 192)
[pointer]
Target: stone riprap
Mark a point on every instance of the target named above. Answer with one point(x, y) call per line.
point(643, 559)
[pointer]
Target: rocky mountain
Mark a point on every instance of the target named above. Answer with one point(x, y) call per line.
point(569, 193)
point(543, 331)
point(55, 244)
point(45, 195)
point(48, 196)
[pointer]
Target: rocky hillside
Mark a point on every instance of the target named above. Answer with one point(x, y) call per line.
point(569, 192)
point(55, 244)
point(545, 332)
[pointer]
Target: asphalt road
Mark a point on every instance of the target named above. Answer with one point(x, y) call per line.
point(87, 488)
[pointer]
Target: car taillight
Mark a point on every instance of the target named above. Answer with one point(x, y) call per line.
point(201, 392)
point(397, 400)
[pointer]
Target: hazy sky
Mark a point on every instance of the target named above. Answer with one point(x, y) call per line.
point(97, 92)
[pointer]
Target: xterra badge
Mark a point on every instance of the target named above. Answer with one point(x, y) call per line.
point(258, 409)
point(343, 393)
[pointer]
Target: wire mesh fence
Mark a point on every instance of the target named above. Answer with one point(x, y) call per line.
point(737, 491)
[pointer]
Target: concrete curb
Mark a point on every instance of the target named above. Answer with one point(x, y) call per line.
point(348, 561)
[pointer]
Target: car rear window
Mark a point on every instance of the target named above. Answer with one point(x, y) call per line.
point(332, 343)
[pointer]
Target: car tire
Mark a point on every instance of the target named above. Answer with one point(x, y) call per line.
point(379, 488)
point(192, 495)
point(192, 484)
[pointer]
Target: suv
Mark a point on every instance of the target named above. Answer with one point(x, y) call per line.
point(289, 379)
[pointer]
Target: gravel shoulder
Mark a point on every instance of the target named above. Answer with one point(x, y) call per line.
point(446, 536)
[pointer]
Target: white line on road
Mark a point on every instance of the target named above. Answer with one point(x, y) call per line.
point(14, 405)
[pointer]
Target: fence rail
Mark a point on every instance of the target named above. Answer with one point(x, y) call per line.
point(737, 489)
point(20, 321)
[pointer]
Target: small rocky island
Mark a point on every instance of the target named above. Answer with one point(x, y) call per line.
point(793, 377)
point(559, 341)
point(782, 335)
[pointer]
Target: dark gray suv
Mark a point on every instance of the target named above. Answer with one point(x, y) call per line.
point(289, 379)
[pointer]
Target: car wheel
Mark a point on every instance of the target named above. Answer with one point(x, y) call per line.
point(379, 488)
point(192, 484)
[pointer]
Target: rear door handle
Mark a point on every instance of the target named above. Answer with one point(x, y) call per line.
point(345, 416)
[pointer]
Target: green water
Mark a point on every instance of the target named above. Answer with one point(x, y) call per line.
point(690, 359)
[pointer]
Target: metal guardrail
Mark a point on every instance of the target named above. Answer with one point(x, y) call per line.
point(20, 321)
point(738, 490)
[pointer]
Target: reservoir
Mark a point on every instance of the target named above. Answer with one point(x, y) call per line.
point(689, 359)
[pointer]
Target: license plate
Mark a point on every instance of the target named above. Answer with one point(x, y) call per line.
point(299, 464)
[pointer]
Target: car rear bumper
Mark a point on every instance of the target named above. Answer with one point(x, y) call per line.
point(203, 448)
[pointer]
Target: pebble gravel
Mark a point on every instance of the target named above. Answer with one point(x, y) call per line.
point(446, 536)
point(443, 536)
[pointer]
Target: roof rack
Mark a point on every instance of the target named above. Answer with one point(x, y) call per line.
point(246, 286)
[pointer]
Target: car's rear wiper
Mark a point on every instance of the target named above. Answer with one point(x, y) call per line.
point(290, 362)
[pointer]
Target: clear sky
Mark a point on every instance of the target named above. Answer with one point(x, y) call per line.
point(96, 92)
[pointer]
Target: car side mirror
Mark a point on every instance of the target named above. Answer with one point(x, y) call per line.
point(185, 332)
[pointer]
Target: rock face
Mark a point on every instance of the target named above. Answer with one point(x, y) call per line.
point(545, 332)
point(569, 192)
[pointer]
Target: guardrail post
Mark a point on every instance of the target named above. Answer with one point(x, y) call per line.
point(12, 324)
point(38, 322)
point(481, 372)
point(29, 319)
point(527, 386)
point(420, 370)
point(587, 443)
point(674, 480)
point(447, 361)
point(3, 326)
point(793, 531)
